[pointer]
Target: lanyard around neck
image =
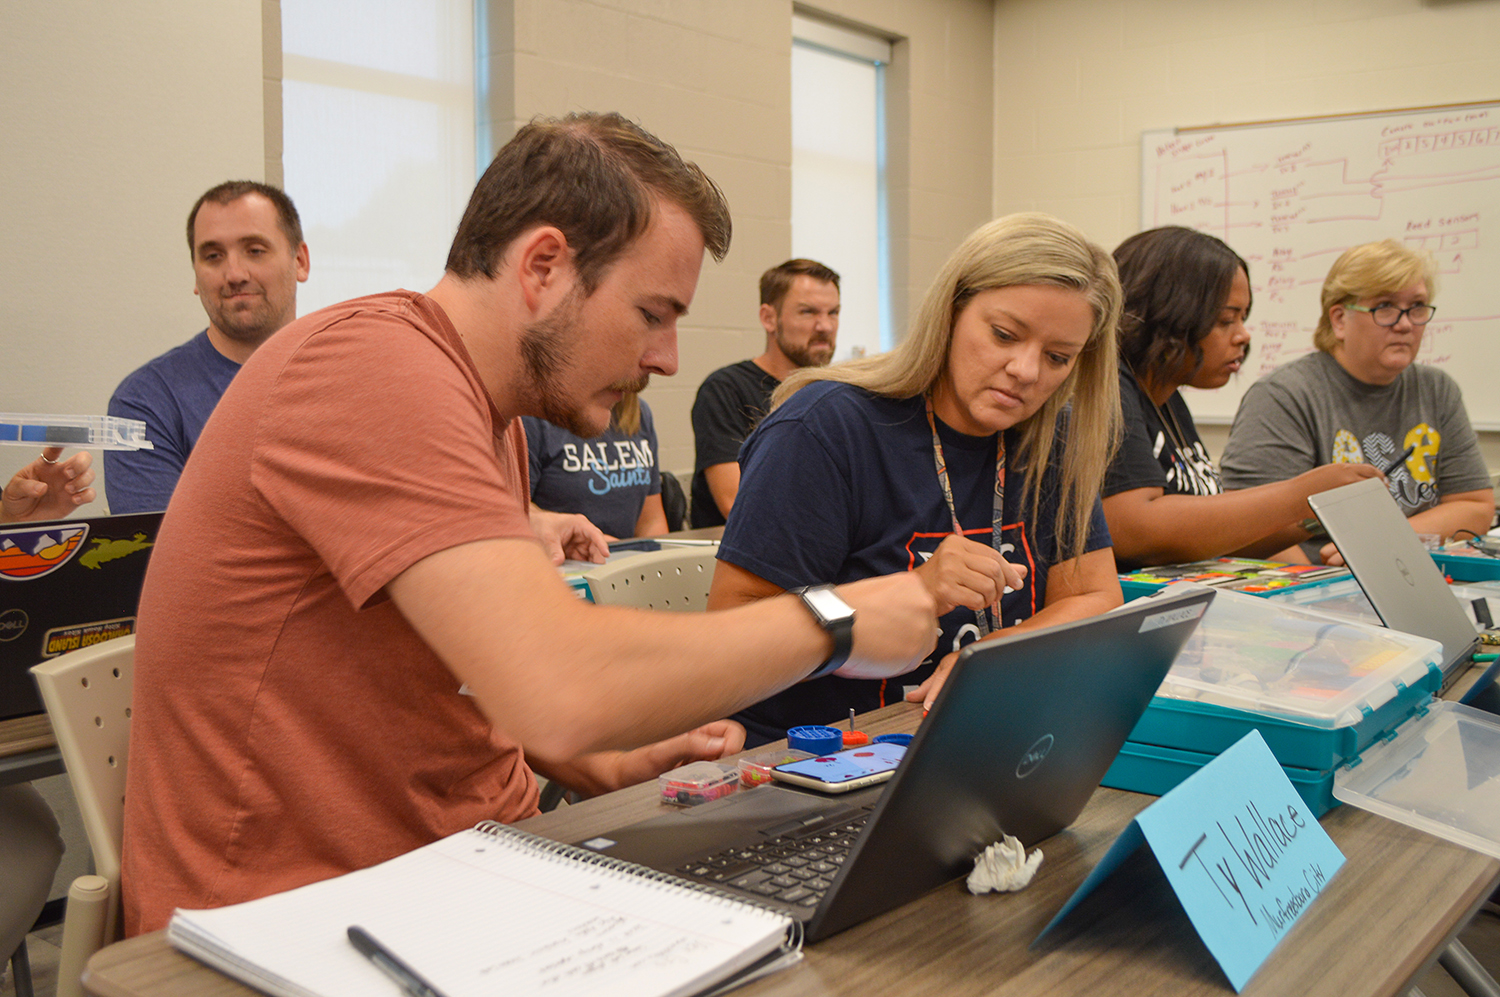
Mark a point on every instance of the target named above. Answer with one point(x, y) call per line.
point(998, 510)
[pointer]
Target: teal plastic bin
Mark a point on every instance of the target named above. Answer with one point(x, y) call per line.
point(1146, 768)
point(1320, 688)
point(1467, 567)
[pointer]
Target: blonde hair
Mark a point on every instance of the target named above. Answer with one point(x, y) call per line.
point(1375, 268)
point(626, 415)
point(1021, 249)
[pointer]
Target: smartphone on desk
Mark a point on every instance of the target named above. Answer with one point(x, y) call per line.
point(852, 768)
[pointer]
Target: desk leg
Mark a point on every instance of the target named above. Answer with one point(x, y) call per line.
point(1467, 972)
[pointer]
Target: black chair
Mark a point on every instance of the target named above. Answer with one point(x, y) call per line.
point(673, 501)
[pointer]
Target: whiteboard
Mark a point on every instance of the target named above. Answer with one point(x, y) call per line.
point(1291, 196)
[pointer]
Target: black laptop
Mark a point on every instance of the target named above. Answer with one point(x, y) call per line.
point(1016, 744)
point(1396, 572)
point(66, 584)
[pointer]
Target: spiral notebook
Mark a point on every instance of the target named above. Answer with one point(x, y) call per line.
point(495, 910)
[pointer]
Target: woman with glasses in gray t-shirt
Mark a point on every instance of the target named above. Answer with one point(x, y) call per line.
point(1363, 398)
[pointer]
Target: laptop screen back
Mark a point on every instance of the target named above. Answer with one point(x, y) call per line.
point(1397, 574)
point(1016, 744)
point(64, 585)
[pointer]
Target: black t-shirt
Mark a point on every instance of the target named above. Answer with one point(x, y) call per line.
point(839, 485)
point(730, 402)
point(1149, 457)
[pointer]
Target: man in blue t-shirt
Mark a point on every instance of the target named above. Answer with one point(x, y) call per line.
point(248, 256)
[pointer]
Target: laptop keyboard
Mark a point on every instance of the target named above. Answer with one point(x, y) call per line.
point(795, 868)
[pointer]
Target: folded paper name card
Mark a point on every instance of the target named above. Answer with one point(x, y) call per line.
point(1241, 851)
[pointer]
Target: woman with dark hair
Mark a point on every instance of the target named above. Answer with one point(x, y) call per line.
point(1187, 298)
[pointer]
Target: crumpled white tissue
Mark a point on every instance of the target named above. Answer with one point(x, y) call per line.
point(1004, 867)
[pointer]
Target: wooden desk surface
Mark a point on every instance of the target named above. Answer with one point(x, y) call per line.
point(28, 750)
point(1400, 897)
point(19, 735)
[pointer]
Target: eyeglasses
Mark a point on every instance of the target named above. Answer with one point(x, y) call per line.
point(1388, 315)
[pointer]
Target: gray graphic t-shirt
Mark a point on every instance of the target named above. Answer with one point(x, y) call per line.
point(1312, 412)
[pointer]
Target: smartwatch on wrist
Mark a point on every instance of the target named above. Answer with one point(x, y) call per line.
point(836, 617)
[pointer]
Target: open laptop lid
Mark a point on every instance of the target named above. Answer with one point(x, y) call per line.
point(1397, 574)
point(66, 584)
point(1017, 742)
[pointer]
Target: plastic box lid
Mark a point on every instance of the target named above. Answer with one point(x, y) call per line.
point(1317, 669)
point(1346, 598)
point(102, 432)
point(1440, 774)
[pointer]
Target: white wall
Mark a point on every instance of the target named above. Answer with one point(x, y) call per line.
point(1077, 81)
point(117, 116)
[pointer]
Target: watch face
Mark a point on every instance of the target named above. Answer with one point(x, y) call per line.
point(826, 604)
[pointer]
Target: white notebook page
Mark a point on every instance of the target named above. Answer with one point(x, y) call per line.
point(480, 915)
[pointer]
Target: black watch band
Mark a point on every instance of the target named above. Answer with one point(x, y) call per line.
point(837, 620)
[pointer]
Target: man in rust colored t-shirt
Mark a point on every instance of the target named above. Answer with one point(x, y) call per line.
point(349, 629)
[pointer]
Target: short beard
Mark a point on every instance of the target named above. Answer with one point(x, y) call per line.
point(251, 330)
point(801, 355)
point(547, 350)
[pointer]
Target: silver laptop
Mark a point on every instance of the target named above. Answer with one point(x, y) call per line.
point(1016, 743)
point(1397, 573)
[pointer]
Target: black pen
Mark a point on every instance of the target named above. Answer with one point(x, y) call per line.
point(1401, 460)
point(404, 975)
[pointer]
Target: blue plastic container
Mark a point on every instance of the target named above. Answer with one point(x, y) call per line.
point(1467, 567)
point(1206, 727)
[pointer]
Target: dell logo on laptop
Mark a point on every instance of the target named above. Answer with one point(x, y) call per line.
point(1034, 756)
point(1405, 572)
point(13, 623)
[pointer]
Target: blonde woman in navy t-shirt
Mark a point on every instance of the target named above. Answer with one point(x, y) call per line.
point(971, 454)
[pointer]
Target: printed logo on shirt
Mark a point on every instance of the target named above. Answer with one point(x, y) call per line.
point(1016, 605)
point(1412, 483)
point(1189, 472)
point(621, 464)
point(32, 552)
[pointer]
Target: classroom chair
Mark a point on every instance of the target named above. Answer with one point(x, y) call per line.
point(673, 578)
point(87, 694)
point(30, 850)
point(673, 501)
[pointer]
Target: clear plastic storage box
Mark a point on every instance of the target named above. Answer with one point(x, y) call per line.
point(1296, 663)
point(1440, 773)
point(1346, 598)
point(1320, 689)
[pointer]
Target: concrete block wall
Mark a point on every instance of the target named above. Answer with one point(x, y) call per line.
point(116, 117)
point(714, 79)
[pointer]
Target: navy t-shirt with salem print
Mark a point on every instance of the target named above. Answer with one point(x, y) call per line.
point(607, 479)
